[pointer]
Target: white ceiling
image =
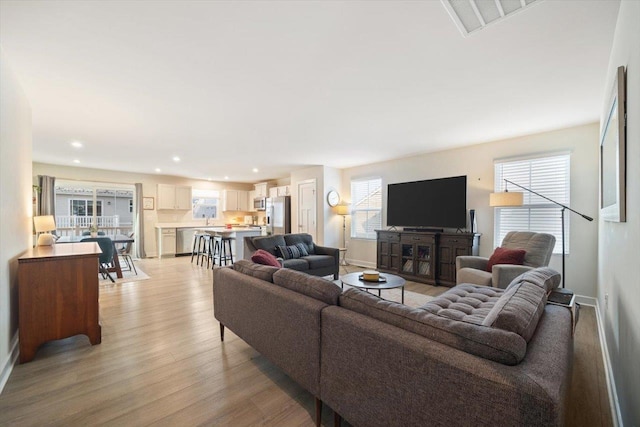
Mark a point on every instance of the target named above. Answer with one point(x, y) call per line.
point(229, 86)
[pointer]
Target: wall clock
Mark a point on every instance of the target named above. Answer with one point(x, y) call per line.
point(333, 198)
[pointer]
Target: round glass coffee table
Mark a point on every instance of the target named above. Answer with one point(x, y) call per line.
point(388, 281)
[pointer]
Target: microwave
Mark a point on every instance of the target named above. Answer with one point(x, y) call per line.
point(260, 203)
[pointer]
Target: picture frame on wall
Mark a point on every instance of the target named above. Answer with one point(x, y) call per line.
point(148, 203)
point(613, 191)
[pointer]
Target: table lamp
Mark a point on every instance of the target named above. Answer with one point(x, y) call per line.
point(43, 225)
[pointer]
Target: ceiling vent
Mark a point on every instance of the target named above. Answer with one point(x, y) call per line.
point(471, 16)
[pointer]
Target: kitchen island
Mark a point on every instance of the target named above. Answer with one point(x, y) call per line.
point(166, 236)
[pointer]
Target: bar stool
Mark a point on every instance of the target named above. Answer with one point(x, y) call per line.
point(200, 246)
point(224, 243)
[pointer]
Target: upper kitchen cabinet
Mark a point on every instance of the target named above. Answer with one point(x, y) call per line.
point(273, 192)
point(252, 196)
point(261, 190)
point(235, 200)
point(174, 197)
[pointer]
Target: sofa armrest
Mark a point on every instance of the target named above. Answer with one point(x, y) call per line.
point(249, 248)
point(325, 250)
point(477, 262)
point(503, 274)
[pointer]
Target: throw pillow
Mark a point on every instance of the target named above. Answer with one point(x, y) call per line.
point(294, 251)
point(265, 258)
point(506, 256)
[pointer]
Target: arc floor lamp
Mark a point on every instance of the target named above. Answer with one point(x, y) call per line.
point(507, 198)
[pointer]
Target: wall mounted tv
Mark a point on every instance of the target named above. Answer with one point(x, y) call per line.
point(431, 203)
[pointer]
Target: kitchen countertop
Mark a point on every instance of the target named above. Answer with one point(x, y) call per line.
point(207, 227)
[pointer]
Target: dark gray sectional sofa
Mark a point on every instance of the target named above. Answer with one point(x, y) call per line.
point(321, 261)
point(472, 356)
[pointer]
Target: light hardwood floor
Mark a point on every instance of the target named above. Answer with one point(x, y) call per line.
point(161, 362)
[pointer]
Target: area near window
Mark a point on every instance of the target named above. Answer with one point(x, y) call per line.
point(79, 205)
point(548, 175)
point(205, 203)
point(366, 207)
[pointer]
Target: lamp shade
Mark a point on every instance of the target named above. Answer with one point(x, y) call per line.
point(343, 210)
point(507, 198)
point(44, 223)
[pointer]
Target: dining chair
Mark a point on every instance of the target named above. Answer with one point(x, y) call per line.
point(106, 258)
point(125, 253)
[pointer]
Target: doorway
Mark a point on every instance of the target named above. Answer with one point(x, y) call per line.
point(307, 207)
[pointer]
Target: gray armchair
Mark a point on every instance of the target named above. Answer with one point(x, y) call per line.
point(538, 247)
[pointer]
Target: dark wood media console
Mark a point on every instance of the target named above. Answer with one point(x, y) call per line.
point(424, 256)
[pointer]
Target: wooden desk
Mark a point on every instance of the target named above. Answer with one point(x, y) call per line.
point(57, 295)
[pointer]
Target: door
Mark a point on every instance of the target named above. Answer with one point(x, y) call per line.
point(307, 207)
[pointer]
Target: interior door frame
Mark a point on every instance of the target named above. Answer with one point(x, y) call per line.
point(300, 184)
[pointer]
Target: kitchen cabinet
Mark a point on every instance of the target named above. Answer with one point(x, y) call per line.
point(174, 197)
point(168, 242)
point(284, 190)
point(262, 189)
point(235, 200)
point(273, 192)
point(252, 195)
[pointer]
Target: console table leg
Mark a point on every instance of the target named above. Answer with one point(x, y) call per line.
point(221, 332)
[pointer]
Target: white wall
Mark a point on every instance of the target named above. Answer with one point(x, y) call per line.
point(619, 246)
point(477, 162)
point(149, 189)
point(15, 205)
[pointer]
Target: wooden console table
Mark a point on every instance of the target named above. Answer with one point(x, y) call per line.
point(423, 256)
point(57, 295)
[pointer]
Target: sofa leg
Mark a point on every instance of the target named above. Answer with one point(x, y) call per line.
point(337, 419)
point(221, 332)
point(336, 276)
point(318, 412)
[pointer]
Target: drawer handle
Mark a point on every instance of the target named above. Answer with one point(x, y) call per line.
point(415, 238)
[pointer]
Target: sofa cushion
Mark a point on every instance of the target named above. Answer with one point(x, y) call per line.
point(518, 309)
point(269, 243)
point(545, 277)
point(307, 239)
point(311, 286)
point(466, 303)
point(467, 335)
point(263, 272)
point(506, 256)
point(298, 264)
point(320, 261)
point(298, 250)
point(265, 258)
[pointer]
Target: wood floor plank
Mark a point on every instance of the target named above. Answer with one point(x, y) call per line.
point(161, 362)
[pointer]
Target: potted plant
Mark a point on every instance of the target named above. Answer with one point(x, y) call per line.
point(94, 231)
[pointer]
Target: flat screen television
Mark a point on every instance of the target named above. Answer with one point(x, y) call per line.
point(435, 203)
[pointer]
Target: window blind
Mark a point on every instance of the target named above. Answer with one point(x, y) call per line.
point(545, 175)
point(366, 207)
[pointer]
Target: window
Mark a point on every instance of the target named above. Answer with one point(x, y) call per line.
point(205, 203)
point(84, 207)
point(545, 175)
point(366, 208)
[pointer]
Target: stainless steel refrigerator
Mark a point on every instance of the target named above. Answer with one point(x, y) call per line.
point(279, 215)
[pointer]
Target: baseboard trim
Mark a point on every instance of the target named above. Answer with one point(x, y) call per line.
point(590, 301)
point(611, 384)
point(360, 263)
point(9, 362)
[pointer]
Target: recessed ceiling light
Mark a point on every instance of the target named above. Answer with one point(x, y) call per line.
point(255, 170)
point(76, 144)
point(176, 158)
point(158, 170)
point(226, 177)
point(76, 161)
